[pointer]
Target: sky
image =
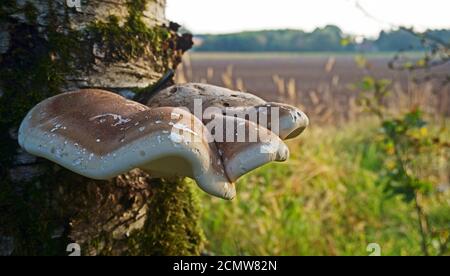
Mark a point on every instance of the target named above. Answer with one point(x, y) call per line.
point(225, 16)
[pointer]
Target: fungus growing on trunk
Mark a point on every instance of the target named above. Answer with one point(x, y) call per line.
point(100, 135)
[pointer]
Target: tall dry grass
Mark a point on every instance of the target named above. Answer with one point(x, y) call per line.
point(324, 201)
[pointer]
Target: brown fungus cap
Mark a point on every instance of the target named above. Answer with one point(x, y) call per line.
point(184, 95)
point(288, 122)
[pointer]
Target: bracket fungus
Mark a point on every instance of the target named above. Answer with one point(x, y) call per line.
point(215, 99)
point(100, 135)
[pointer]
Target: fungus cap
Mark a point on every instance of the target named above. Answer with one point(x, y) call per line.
point(291, 121)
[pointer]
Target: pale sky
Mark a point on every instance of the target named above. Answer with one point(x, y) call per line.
point(224, 16)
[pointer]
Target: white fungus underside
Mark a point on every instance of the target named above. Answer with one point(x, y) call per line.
point(255, 156)
point(157, 151)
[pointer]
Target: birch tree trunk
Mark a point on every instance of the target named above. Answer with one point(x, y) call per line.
point(51, 46)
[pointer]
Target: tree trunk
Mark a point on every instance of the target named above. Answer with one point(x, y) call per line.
point(48, 47)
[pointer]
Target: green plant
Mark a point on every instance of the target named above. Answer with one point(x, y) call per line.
point(404, 138)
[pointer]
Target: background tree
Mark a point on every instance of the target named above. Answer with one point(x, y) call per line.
point(48, 47)
point(328, 38)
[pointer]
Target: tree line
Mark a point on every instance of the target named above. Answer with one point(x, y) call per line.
point(328, 38)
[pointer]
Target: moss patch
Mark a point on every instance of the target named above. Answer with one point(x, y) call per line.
point(133, 38)
point(173, 226)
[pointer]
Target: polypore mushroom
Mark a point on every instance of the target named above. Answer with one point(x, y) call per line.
point(100, 135)
point(285, 120)
point(291, 121)
point(250, 146)
point(210, 95)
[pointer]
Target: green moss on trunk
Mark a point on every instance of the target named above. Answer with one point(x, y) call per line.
point(173, 225)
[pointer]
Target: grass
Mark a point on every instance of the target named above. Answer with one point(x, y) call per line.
point(324, 201)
